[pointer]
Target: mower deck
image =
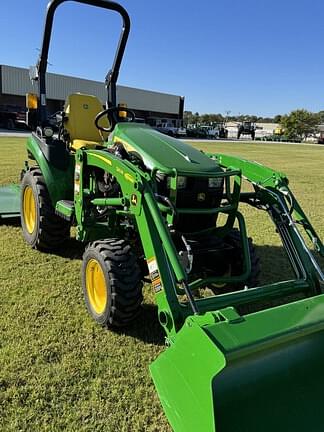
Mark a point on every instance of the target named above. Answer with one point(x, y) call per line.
point(10, 202)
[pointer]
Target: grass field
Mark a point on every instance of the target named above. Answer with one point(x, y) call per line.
point(58, 369)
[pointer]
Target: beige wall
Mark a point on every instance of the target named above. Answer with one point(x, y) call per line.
point(15, 81)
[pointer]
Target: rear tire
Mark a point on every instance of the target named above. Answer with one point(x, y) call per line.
point(41, 227)
point(111, 280)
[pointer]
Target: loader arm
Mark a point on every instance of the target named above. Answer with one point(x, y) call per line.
point(168, 277)
point(268, 183)
point(136, 202)
point(273, 194)
point(252, 367)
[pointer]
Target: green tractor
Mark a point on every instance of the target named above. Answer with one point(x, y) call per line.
point(246, 128)
point(145, 204)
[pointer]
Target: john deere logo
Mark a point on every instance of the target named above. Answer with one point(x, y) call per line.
point(201, 197)
point(85, 106)
point(134, 199)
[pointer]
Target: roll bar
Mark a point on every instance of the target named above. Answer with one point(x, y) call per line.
point(112, 75)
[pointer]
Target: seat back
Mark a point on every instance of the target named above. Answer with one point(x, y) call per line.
point(80, 111)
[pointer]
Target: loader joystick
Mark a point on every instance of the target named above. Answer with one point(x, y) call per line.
point(114, 117)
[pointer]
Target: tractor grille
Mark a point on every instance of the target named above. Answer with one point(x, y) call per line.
point(198, 195)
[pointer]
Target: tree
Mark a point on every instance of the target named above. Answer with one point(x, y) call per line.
point(205, 118)
point(188, 117)
point(216, 118)
point(321, 117)
point(196, 118)
point(300, 124)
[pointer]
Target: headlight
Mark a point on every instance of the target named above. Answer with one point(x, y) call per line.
point(181, 182)
point(48, 132)
point(215, 182)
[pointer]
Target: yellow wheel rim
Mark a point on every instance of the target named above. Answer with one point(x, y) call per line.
point(29, 209)
point(96, 286)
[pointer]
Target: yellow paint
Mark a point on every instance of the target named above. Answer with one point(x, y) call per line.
point(78, 143)
point(134, 199)
point(81, 110)
point(102, 158)
point(119, 170)
point(96, 286)
point(121, 113)
point(29, 209)
point(129, 178)
point(31, 101)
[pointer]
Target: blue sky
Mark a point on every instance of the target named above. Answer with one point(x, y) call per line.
point(251, 57)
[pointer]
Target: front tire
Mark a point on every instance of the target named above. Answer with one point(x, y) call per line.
point(41, 227)
point(111, 280)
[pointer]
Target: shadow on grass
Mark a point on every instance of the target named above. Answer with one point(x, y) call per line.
point(71, 248)
point(274, 263)
point(146, 327)
point(10, 221)
point(275, 267)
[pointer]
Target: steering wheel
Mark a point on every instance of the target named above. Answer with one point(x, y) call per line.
point(112, 114)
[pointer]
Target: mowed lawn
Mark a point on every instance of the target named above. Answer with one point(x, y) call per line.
point(61, 371)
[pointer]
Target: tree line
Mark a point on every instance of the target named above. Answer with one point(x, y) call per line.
point(195, 118)
point(299, 123)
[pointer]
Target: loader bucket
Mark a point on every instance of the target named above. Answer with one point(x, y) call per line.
point(9, 201)
point(260, 372)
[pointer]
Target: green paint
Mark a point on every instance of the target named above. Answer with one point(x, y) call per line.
point(213, 374)
point(59, 182)
point(9, 201)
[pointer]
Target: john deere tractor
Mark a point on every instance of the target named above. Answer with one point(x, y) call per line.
point(148, 205)
point(246, 128)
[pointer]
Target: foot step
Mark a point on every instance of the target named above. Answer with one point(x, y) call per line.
point(65, 209)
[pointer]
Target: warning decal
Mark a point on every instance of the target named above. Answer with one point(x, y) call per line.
point(154, 274)
point(77, 178)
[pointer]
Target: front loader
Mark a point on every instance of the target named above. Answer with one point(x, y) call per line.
point(148, 205)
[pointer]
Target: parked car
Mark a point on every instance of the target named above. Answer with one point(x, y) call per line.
point(12, 117)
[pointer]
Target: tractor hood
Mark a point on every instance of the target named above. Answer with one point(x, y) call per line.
point(161, 151)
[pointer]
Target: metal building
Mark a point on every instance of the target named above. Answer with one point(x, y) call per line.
point(15, 83)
